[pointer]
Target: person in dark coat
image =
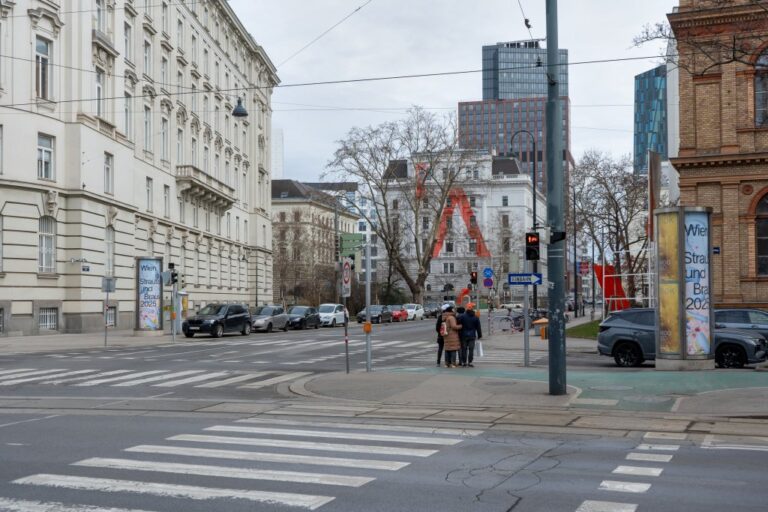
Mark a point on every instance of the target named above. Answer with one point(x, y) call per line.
point(470, 331)
point(451, 337)
point(440, 341)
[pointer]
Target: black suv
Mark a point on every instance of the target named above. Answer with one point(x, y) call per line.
point(754, 320)
point(629, 336)
point(217, 320)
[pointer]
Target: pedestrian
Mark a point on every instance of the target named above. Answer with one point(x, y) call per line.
point(470, 332)
point(449, 329)
point(440, 340)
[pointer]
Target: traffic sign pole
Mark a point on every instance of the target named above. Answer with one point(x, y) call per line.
point(526, 326)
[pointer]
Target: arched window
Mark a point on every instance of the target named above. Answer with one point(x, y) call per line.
point(109, 252)
point(761, 234)
point(46, 250)
point(761, 90)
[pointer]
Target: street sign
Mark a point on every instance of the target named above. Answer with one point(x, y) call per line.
point(488, 282)
point(716, 250)
point(488, 273)
point(108, 284)
point(351, 242)
point(346, 277)
point(524, 279)
point(166, 277)
point(584, 267)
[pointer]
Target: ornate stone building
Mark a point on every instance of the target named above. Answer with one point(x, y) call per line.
point(117, 141)
point(723, 157)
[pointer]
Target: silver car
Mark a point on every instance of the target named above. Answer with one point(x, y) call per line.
point(269, 318)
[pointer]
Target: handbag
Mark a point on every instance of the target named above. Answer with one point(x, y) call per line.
point(479, 349)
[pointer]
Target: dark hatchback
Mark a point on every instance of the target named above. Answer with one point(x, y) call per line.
point(379, 314)
point(303, 317)
point(629, 336)
point(217, 320)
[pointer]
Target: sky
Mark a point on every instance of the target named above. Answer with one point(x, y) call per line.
point(398, 37)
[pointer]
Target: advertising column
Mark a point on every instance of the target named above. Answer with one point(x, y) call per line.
point(149, 297)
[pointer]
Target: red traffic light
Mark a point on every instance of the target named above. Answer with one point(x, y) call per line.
point(473, 277)
point(531, 238)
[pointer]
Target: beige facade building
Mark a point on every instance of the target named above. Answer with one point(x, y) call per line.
point(723, 156)
point(304, 220)
point(117, 141)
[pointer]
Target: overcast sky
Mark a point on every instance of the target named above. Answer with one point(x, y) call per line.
point(396, 37)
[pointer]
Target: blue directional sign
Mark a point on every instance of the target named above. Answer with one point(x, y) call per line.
point(488, 273)
point(524, 279)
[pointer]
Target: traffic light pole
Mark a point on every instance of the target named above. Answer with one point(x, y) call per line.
point(555, 217)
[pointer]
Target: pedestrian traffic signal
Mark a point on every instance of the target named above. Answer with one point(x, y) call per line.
point(182, 281)
point(532, 246)
point(174, 277)
point(473, 277)
point(336, 248)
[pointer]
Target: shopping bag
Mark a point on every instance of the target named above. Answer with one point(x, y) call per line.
point(479, 348)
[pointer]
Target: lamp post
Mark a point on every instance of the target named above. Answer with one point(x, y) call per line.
point(533, 185)
point(575, 263)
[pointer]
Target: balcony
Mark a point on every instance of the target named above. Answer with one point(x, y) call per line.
point(198, 185)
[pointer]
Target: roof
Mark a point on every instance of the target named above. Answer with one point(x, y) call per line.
point(397, 169)
point(346, 186)
point(292, 189)
point(505, 166)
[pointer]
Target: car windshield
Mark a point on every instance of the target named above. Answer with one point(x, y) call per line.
point(262, 311)
point(396, 307)
point(410, 306)
point(213, 309)
point(327, 308)
point(297, 310)
point(374, 309)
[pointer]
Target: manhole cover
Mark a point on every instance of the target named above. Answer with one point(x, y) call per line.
point(611, 388)
point(647, 399)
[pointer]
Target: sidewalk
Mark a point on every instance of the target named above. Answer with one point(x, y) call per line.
point(58, 342)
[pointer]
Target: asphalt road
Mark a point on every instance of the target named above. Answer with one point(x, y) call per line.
point(119, 458)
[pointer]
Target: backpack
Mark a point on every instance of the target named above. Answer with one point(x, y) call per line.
point(443, 329)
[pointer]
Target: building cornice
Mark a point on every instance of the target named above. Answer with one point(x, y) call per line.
point(720, 160)
point(694, 21)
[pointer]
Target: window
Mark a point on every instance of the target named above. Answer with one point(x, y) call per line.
point(48, 319)
point(761, 90)
point(164, 70)
point(194, 214)
point(505, 201)
point(1, 257)
point(505, 221)
point(472, 201)
point(147, 57)
point(42, 68)
point(449, 222)
point(229, 225)
point(179, 146)
point(46, 251)
point(100, 92)
point(109, 176)
point(761, 227)
point(182, 211)
point(395, 204)
point(2, 320)
point(237, 229)
point(193, 99)
point(194, 151)
point(448, 268)
point(164, 13)
point(45, 157)
point(147, 128)
point(206, 158)
point(109, 251)
point(111, 315)
point(127, 41)
point(179, 83)
point(473, 246)
point(128, 116)
point(361, 226)
point(164, 139)
point(472, 221)
point(245, 231)
point(150, 194)
point(166, 201)
point(449, 247)
point(101, 17)
point(194, 49)
point(179, 33)
point(505, 245)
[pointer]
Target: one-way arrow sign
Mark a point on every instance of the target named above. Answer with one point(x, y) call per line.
point(524, 279)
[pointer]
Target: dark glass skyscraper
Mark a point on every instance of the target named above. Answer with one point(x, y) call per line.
point(650, 116)
point(517, 69)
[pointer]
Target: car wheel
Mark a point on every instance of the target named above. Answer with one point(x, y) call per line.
point(189, 334)
point(333, 323)
point(269, 328)
point(303, 325)
point(390, 320)
point(317, 325)
point(246, 329)
point(285, 327)
point(218, 331)
point(627, 354)
point(730, 356)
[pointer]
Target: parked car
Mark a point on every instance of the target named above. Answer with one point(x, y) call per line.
point(303, 317)
point(754, 320)
point(511, 305)
point(332, 315)
point(414, 311)
point(269, 318)
point(217, 320)
point(379, 315)
point(399, 314)
point(432, 309)
point(629, 336)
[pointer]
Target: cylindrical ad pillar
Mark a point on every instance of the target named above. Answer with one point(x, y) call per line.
point(685, 334)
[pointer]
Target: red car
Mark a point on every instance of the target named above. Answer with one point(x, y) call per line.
point(399, 314)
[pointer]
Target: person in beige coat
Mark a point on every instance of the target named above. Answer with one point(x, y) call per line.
point(451, 337)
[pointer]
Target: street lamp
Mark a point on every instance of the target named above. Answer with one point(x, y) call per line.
point(239, 110)
point(535, 218)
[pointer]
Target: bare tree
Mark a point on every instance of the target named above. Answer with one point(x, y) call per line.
point(409, 199)
point(609, 197)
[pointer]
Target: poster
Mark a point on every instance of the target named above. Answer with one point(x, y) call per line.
point(149, 293)
point(669, 287)
point(697, 293)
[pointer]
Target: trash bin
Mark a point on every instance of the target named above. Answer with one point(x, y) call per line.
point(543, 325)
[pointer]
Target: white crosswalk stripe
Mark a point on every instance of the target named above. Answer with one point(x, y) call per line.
point(275, 380)
point(75, 379)
point(53, 506)
point(233, 380)
point(46, 376)
point(119, 378)
point(37, 372)
point(157, 378)
point(333, 435)
point(189, 380)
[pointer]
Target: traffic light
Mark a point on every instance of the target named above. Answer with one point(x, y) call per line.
point(336, 248)
point(352, 257)
point(182, 281)
point(174, 277)
point(532, 246)
point(473, 277)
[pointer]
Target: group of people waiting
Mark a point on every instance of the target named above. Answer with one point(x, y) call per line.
point(457, 332)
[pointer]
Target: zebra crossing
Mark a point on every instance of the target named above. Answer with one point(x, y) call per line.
point(124, 378)
point(274, 475)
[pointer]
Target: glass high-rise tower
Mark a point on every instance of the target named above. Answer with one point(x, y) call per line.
point(518, 69)
point(650, 116)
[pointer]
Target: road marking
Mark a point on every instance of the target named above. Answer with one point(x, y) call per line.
point(36, 372)
point(75, 379)
point(17, 370)
point(188, 380)
point(637, 471)
point(612, 485)
point(360, 426)
point(649, 457)
point(674, 436)
point(233, 380)
point(385, 465)
point(32, 379)
point(305, 445)
point(606, 506)
point(53, 506)
point(173, 491)
point(336, 435)
point(121, 377)
point(29, 420)
point(710, 443)
point(595, 401)
point(226, 472)
point(156, 378)
point(275, 380)
point(659, 447)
